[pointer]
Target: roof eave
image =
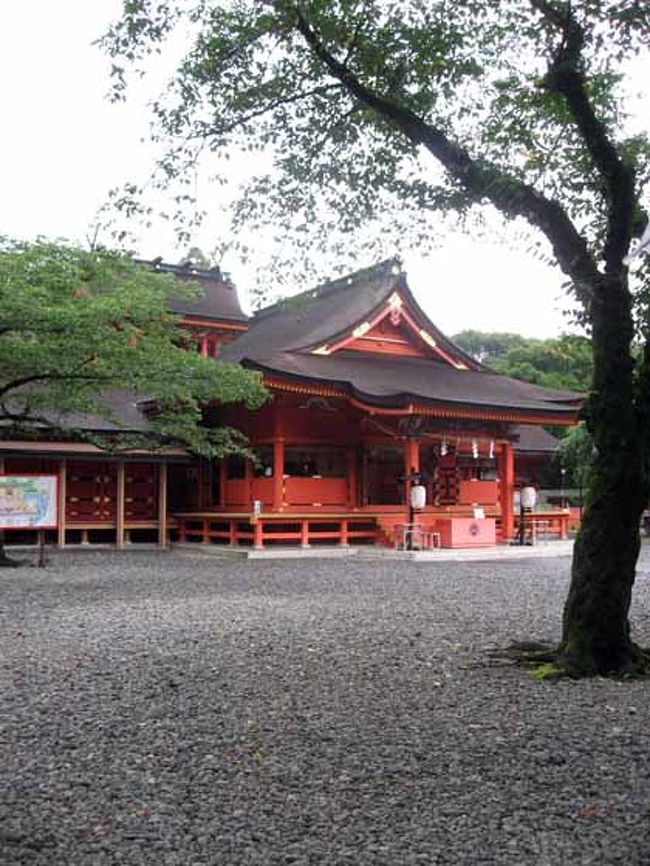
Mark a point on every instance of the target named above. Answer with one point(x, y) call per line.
point(407, 403)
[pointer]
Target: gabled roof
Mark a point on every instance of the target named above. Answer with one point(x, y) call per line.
point(219, 301)
point(311, 339)
point(318, 320)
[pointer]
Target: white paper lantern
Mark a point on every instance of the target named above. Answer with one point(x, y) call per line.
point(418, 496)
point(528, 497)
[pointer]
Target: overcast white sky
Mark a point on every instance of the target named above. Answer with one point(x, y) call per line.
point(64, 146)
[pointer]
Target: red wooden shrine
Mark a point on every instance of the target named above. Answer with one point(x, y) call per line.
point(366, 394)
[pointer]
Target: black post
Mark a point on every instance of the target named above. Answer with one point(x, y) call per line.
point(41, 549)
point(411, 478)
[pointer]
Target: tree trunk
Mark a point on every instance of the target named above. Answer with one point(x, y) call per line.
point(596, 631)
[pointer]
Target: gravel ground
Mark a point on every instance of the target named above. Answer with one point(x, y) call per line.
point(185, 709)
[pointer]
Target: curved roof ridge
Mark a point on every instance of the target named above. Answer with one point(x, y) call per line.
point(398, 283)
point(387, 267)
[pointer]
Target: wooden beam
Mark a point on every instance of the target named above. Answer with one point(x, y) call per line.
point(352, 476)
point(364, 495)
point(119, 529)
point(162, 505)
point(506, 490)
point(411, 464)
point(278, 474)
point(63, 483)
point(278, 457)
point(223, 478)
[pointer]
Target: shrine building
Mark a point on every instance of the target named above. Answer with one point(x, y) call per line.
point(368, 400)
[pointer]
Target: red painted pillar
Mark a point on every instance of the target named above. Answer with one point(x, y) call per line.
point(248, 478)
point(352, 477)
point(506, 490)
point(258, 536)
point(203, 346)
point(411, 464)
point(223, 481)
point(278, 474)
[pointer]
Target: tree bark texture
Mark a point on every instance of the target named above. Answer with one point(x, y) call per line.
point(596, 630)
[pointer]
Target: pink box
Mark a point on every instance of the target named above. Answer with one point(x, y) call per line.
point(467, 532)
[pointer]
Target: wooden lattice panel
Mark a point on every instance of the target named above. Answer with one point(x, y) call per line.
point(140, 492)
point(447, 480)
point(91, 492)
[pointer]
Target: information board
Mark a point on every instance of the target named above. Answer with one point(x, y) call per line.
point(28, 501)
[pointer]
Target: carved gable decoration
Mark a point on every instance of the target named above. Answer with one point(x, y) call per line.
point(390, 337)
point(393, 330)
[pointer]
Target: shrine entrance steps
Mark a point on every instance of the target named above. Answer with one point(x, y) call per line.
point(501, 552)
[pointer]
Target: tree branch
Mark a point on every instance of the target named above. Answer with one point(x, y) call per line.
point(51, 377)
point(271, 106)
point(480, 179)
point(566, 78)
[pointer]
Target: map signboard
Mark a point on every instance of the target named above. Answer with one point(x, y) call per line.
point(28, 501)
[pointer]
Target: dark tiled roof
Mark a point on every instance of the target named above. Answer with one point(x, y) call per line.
point(398, 382)
point(127, 411)
point(281, 340)
point(535, 440)
point(219, 302)
point(329, 311)
point(128, 415)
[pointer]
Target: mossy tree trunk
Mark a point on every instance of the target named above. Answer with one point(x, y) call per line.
point(596, 630)
point(596, 636)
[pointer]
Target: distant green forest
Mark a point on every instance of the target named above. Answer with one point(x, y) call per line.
point(563, 362)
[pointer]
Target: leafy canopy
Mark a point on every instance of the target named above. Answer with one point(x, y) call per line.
point(81, 332)
point(487, 346)
point(348, 100)
point(576, 455)
point(564, 362)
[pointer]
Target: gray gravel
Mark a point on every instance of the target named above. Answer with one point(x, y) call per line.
point(184, 709)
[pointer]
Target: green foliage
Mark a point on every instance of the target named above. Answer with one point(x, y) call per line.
point(576, 456)
point(565, 362)
point(78, 329)
point(488, 347)
point(348, 100)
